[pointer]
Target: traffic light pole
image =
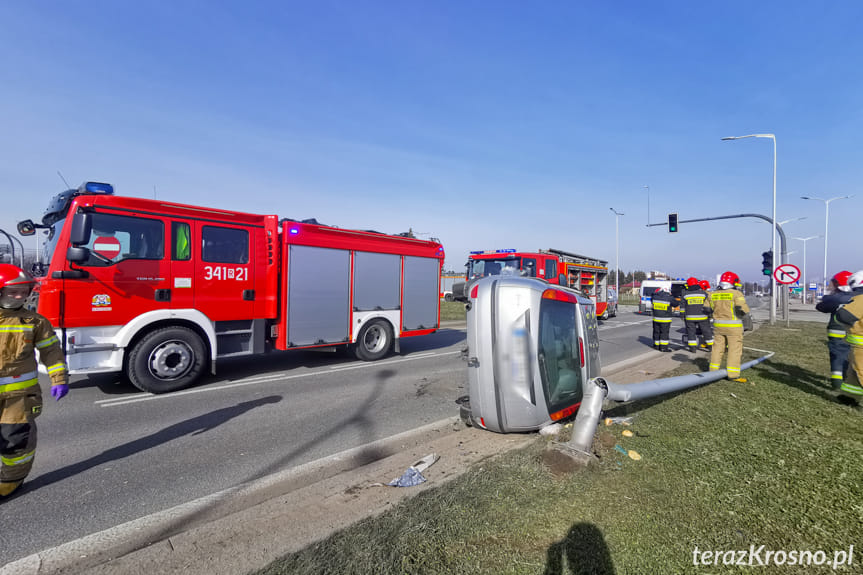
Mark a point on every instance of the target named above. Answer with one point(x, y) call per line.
point(783, 256)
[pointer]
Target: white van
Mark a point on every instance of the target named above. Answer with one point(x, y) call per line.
point(676, 287)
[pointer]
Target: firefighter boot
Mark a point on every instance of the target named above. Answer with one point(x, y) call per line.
point(9, 487)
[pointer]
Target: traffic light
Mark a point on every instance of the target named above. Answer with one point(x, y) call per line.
point(672, 223)
point(767, 263)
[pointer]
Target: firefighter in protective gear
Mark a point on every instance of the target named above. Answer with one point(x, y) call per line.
point(705, 285)
point(840, 294)
point(851, 315)
point(22, 332)
point(695, 315)
point(662, 302)
point(729, 306)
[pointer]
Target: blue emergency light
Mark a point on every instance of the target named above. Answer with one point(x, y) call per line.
point(96, 188)
point(294, 231)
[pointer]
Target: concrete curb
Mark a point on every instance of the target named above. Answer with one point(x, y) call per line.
point(98, 548)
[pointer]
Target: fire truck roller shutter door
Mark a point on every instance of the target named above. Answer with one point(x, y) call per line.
point(420, 295)
point(318, 296)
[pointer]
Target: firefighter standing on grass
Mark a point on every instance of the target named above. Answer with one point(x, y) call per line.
point(840, 294)
point(695, 314)
point(851, 315)
point(661, 302)
point(22, 332)
point(729, 307)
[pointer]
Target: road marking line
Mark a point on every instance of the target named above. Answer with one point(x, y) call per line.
point(261, 379)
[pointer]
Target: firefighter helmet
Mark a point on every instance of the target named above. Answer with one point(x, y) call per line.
point(728, 280)
point(841, 280)
point(15, 286)
point(704, 284)
point(691, 282)
point(855, 281)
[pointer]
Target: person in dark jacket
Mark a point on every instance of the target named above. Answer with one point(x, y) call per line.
point(839, 295)
point(662, 303)
point(695, 315)
point(851, 315)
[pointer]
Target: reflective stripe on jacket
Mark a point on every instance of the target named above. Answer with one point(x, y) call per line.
point(724, 302)
point(22, 332)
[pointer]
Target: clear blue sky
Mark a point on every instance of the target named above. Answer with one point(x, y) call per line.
point(486, 124)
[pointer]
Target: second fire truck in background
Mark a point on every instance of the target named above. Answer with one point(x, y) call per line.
point(585, 274)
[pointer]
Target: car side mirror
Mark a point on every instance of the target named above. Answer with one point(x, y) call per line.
point(82, 225)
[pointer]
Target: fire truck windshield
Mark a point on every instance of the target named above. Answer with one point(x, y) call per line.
point(493, 267)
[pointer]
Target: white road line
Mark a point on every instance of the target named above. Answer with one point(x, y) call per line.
point(263, 379)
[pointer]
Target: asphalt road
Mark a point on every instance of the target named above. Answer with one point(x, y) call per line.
point(109, 453)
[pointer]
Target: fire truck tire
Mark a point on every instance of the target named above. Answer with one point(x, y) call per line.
point(166, 360)
point(374, 341)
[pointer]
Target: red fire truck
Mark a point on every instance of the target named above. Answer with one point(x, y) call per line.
point(584, 274)
point(160, 290)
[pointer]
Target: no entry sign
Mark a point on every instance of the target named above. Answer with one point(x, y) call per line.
point(107, 247)
point(787, 274)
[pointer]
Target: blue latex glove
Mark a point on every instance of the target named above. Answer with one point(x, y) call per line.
point(58, 391)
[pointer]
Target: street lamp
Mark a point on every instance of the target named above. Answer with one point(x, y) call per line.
point(805, 286)
point(826, 219)
point(648, 203)
point(617, 250)
point(773, 235)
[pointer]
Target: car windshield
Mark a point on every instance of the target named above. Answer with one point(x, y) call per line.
point(488, 267)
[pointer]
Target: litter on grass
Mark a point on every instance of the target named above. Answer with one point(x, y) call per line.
point(626, 433)
point(632, 454)
point(413, 474)
point(551, 429)
point(618, 420)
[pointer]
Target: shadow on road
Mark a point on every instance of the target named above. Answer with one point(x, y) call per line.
point(252, 366)
point(584, 550)
point(356, 424)
point(194, 426)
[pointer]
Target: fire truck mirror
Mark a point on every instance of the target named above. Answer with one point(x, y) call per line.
point(77, 254)
point(26, 228)
point(79, 235)
point(561, 279)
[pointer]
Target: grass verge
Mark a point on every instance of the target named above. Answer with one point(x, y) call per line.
point(452, 310)
point(773, 462)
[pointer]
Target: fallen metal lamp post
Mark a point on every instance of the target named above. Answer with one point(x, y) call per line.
point(598, 390)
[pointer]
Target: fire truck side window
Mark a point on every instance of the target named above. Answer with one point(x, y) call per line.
point(182, 241)
point(550, 269)
point(225, 245)
point(116, 238)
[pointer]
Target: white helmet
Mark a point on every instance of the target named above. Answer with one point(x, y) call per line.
point(856, 280)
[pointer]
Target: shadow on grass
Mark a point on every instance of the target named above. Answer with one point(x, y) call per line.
point(585, 552)
point(798, 378)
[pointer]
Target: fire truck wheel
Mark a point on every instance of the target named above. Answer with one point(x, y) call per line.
point(167, 359)
point(374, 341)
